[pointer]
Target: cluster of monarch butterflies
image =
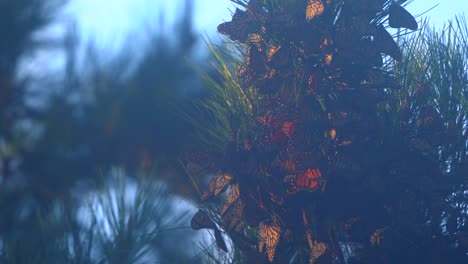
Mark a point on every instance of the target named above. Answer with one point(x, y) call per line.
point(327, 54)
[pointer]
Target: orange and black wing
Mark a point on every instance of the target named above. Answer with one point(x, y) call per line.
point(316, 251)
point(269, 235)
point(233, 217)
point(314, 8)
point(217, 185)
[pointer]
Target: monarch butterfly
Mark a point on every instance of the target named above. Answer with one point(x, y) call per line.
point(279, 57)
point(192, 167)
point(279, 137)
point(233, 217)
point(309, 180)
point(289, 165)
point(288, 128)
point(277, 199)
point(272, 52)
point(314, 8)
point(255, 7)
point(290, 180)
point(198, 163)
point(256, 40)
point(341, 162)
point(265, 120)
point(376, 78)
point(202, 220)
point(255, 64)
point(333, 134)
point(386, 44)
point(220, 240)
point(429, 119)
point(316, 250)
point(377, 237)
point(238, 28)
point(232, 197)
point(328, 58)
point(350, 223)
point(399, 17)
point(269, 236)
point(430, 128)
point(217, 185)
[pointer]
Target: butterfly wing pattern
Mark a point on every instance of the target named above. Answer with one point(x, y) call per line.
point(315, 68)
point(317, 250)
point(232, 198)
point(218, 184)
point(314, 8)
point(268, 238)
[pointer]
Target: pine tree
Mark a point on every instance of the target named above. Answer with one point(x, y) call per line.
point(300, 133)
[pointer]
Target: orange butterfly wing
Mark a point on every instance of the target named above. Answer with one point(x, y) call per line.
point(217, 185)
point(377, 237)
point(233, 218)
point(317, 250)
point(310, 180)
point(314, 8)
point(269, 236)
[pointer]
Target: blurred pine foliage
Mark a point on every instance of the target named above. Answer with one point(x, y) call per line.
point(61, 132)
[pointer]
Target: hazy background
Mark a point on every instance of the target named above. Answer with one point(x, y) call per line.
point(109, 21)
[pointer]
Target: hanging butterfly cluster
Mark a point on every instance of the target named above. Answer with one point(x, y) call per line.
point(425, 124)
point(316, 67)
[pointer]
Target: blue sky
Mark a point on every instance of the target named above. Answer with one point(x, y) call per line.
point(110, 21)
